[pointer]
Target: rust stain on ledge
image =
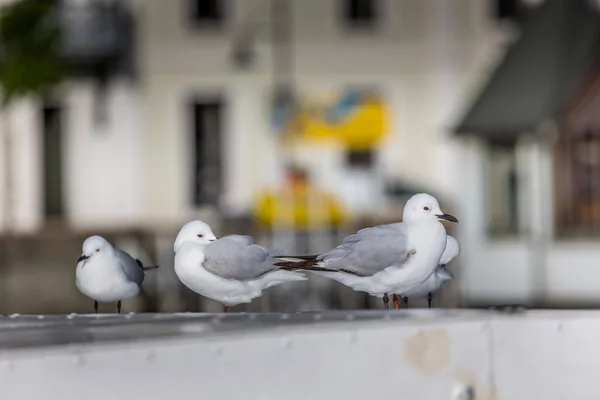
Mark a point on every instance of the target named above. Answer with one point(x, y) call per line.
point(428, 350)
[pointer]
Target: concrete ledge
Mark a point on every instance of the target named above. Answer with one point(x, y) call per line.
point(410, 354)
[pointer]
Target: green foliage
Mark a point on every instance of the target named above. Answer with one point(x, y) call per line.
point(29, 49)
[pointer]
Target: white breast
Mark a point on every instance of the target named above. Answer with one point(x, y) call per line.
point(102, 279)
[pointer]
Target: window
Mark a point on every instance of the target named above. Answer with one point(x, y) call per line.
point(52, 131)
point(207, 13)
point(360, 158)
point(513, 10)
point(506, 9)
point(577, 184)
point(360, 14)
point(206, 150)
point(502, 189)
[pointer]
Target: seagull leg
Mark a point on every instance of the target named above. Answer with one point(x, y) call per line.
point(119, 307)
point(405, 301)
point(396, 302)
point(95, 306)
point(225, 308)
point(386, 300)
point(429, 298)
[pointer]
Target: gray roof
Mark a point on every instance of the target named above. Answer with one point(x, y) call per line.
point(558, 46)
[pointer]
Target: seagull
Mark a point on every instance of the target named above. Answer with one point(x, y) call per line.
point(437, 279)
point(389, 258)
point(231, 270)
point(107, 274)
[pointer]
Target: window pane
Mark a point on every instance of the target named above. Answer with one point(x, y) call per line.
point(506, 9)
point(207, 12)
point(577, 184)
point(360, 158)
point(502, 190)
point(206, 134)
point(360, 13)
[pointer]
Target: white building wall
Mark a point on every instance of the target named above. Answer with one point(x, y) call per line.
point(534, 266)
point(21, 122)
point(136, 168)
point(491, 270)
point(101, 163)
point(412, 58)
point(104, 162)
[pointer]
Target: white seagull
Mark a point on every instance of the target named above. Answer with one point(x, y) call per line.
point(231, 270)
point(393, 258)
point(107, 274)
point(437, 279)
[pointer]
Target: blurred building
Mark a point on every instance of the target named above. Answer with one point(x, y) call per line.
point(77, 157)
point(192, 108)
point(196, 124)
point(211, 70)
point(530, 204)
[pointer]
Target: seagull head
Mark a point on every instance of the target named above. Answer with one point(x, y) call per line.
point(195, 232)
point(422, 207)
point(93, 245)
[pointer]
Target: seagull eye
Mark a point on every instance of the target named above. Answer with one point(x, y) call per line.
point(200, 235)
point(97, 250)
point(426, 208)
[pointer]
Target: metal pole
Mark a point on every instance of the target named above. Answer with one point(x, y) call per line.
point(5, 260)
point(283, 82)
point(281, 39)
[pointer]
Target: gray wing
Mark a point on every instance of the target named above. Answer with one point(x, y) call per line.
point(243, 239)
point(370, 250)
point(132, 269)
point(233, 258)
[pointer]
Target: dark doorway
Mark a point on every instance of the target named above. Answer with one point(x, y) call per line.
point(207, 127)
point(52, 131)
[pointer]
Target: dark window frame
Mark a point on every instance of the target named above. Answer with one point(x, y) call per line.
point(365, 159)
point(53, 110)
point(199, 198)
point(515, 11)
point(371, 24)
point(214, 25)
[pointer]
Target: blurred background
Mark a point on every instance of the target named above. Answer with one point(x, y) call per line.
point(298, 122)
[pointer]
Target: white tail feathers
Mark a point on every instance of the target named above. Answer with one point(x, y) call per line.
point(280, 276)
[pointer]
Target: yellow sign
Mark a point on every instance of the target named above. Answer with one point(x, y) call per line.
point(303, 209)
point(358, 118)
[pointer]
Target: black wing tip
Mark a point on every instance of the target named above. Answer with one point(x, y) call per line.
point(305, 258)
point(302, 265)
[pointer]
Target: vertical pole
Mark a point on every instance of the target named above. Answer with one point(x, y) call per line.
point(5, 260)
point(283, 89)
point(281, 38)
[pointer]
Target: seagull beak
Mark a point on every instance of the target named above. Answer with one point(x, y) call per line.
point(82, 258)
point(447, 217)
